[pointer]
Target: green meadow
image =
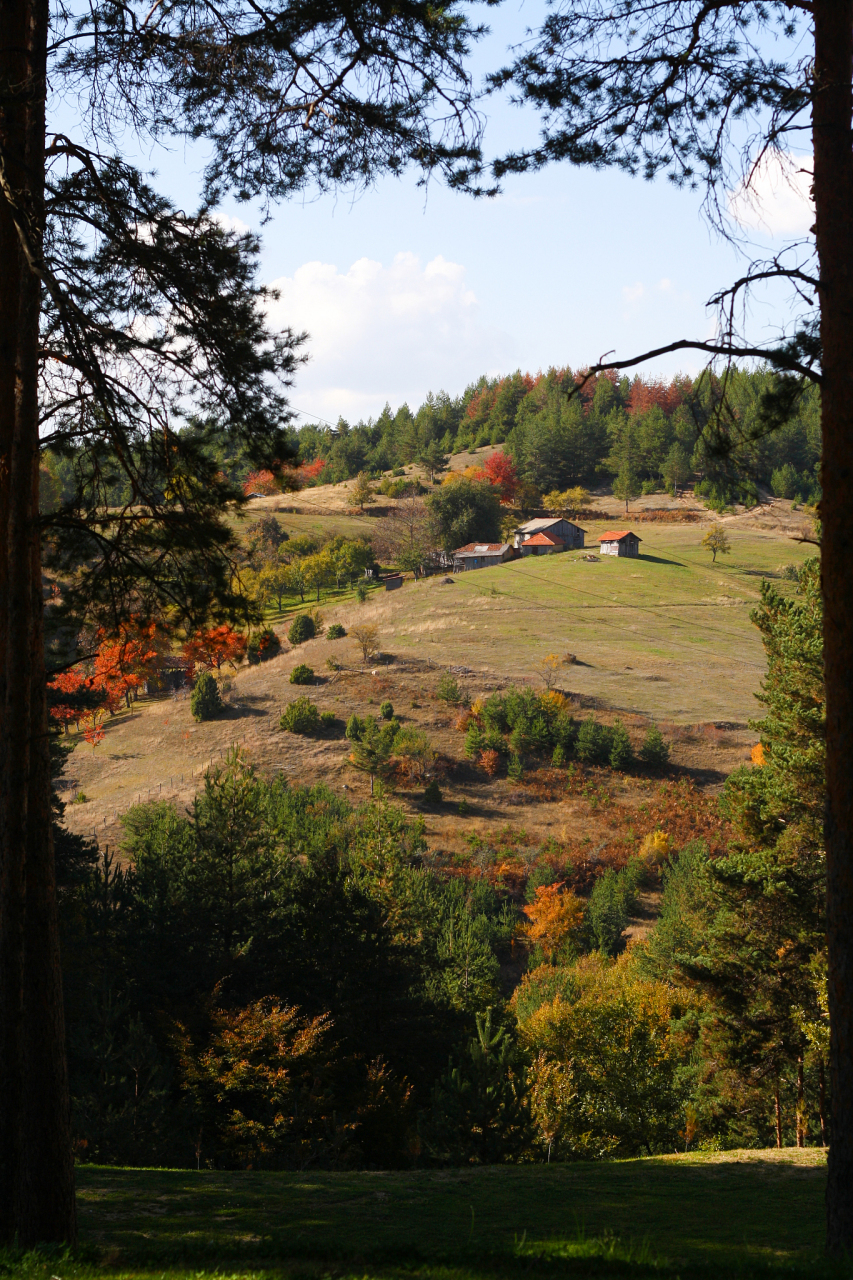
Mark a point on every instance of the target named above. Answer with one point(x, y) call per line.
point(667, 635)
point(757, 1213)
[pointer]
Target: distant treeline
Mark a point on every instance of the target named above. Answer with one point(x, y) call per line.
point(720, 433)
point(712, 430)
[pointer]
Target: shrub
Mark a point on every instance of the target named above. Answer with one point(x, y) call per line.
point(432, 793)
point(654, 751)
point(302, 674)
point(558, 757)
point(361, 591)
point(490, 761)
point(355, 728)
point(515, 768)
point(205, 702)
point(333, 664)
point(621, 754)
point(317, 618)
point(302, 628)
point(386, 710)
point(335, 632)
point(263, 645)
point(473, 740)
point(448, 689)
point(327, 719)
point(414, 749)
point(300, 716)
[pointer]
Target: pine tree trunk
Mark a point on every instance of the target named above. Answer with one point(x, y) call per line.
point(833, 189)
point(36, 1168)
point(778, 1104)
point(801, 1104)
point(821, 1101)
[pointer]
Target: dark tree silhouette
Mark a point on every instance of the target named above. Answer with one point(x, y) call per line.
point(122, 320)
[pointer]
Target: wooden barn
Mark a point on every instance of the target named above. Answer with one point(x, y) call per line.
point(620, 543)
point(558, 528)
point(482, 555)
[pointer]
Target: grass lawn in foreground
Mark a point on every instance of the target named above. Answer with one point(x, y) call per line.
point(745, 1213)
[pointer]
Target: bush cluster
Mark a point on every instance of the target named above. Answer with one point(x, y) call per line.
point(335, 632)
point(522, 722)
point(302, 674)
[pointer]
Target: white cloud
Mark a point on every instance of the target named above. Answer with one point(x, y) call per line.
point(227, 223)
point(382, 333)
point(633, 292)
point(777, 200)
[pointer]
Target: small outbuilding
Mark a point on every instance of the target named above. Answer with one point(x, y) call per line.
point(620, 543)
point(482, 555)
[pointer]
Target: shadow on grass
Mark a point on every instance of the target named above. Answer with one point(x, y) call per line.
point(679, 564)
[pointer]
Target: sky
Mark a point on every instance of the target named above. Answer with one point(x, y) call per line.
point(404, 291)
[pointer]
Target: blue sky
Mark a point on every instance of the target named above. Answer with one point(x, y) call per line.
point(404, 291)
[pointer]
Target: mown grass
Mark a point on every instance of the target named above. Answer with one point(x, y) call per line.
point(759, 1215)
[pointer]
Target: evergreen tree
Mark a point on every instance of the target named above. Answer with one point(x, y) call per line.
point(480, 1112)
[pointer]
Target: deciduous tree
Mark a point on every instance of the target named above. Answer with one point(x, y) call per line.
point(716, 541)
point(212, 646)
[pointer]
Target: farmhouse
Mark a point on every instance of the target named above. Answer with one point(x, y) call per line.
point(559, 529)
point(482, 555)
point(620, 543)
point(542, 544)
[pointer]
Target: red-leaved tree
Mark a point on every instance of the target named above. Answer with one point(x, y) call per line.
point(312, 471)
point(500, 470)
point(261, 482)
point(210, 648)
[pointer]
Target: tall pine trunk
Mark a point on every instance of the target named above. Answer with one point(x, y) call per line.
point(36, 1168)
point(833, 190)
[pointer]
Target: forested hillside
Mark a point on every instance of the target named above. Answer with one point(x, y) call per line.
point(637, 430)
point(637, 434)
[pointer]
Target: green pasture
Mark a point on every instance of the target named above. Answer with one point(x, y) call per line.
point(666, 635)
point(736, 1214)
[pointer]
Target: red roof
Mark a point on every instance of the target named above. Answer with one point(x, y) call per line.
point(483, 548)
point(543, 540)
point(618, 535)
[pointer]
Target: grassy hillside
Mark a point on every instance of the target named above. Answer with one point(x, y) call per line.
point(666, 636)
point(756, 1212)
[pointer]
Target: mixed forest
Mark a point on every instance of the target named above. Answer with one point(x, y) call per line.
point(560, 431)
point(280, 977)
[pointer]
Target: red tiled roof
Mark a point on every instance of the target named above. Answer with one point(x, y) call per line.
point(618, 535)
point(543, 540)
point(482, 547)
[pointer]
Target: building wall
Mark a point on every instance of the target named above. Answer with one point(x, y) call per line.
point(627, 547)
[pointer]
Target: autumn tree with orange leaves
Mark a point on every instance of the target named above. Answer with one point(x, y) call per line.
point(211, 647)
point(89, 691)
point(552, 917)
